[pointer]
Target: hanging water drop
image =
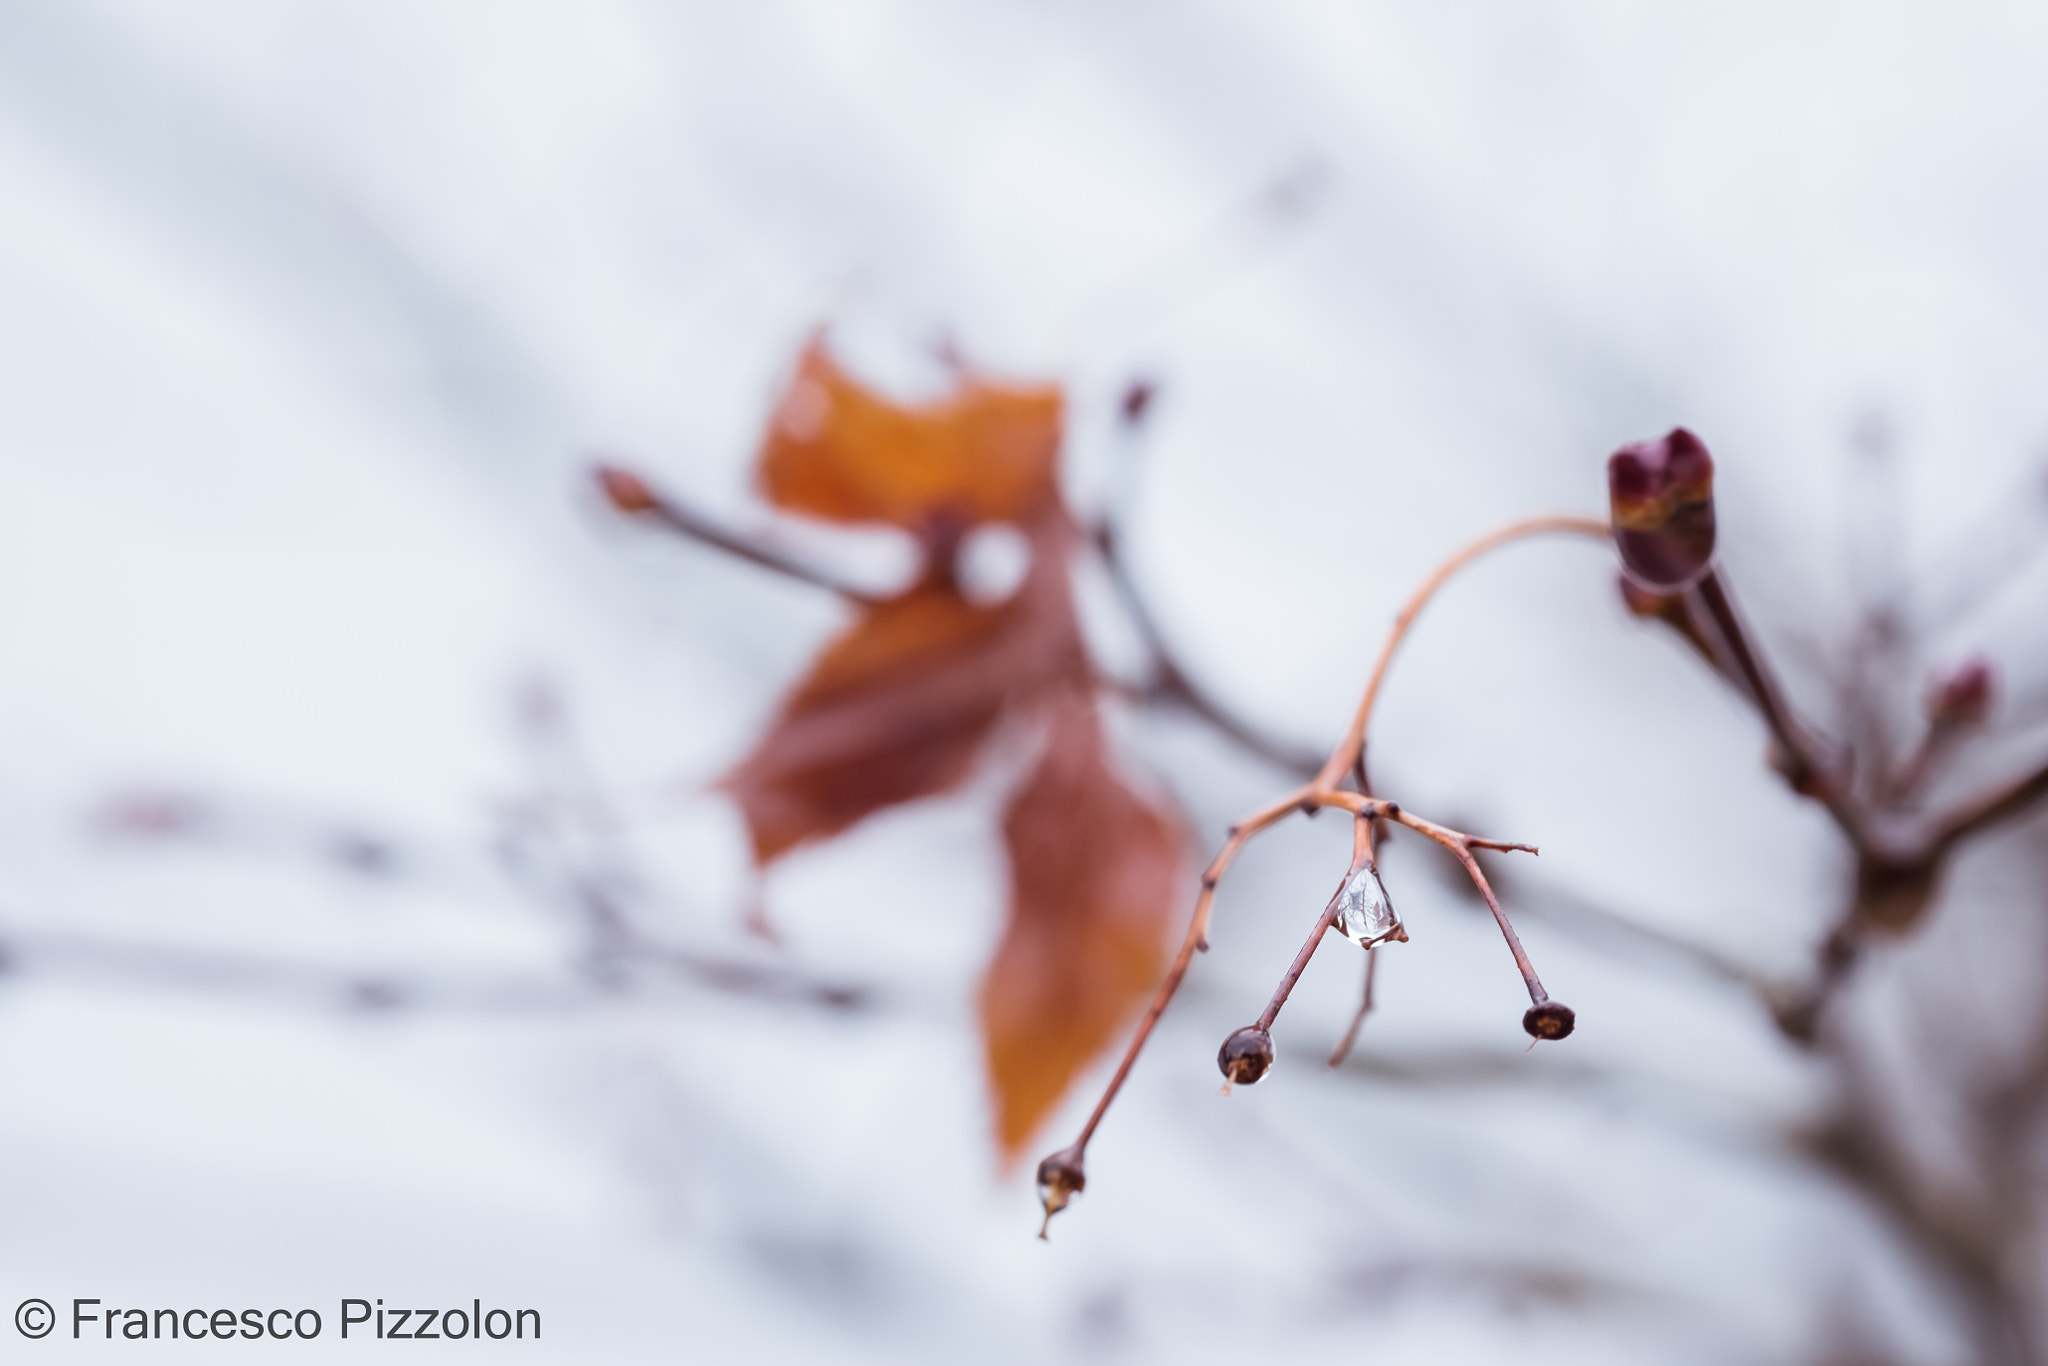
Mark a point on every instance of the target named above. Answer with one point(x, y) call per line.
point(1365, 915)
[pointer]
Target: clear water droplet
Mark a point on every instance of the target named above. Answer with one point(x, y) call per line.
point(1365, 916)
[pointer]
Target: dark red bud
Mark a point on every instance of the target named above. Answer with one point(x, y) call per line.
point(1962, 696)
point(1551, 1020)
point(1060, 1179)
point(1662, 499)
point(1246, 1055)
point(627, 491)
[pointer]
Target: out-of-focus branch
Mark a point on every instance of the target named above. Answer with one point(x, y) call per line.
point(1990, 808)
point(1350, 1039)
point(1898, 860)
point(1171, 682)
point(1804, 767)
point(635, 497)
point(217, 970)
point(558, 844)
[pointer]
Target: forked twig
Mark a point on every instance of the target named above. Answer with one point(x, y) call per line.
point(1062, 1175)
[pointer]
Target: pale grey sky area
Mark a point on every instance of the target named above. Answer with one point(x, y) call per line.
point(312, 318)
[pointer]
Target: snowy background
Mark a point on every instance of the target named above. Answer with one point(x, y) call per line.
point(311, 317)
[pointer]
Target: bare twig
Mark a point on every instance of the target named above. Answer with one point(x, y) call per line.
point(1461, 847)
point(1805, 768)
point(1307, 951)
point(632, 495)
point(1061, 1174)
point(1990, 808)
point(1351, 748)
point(181, 967)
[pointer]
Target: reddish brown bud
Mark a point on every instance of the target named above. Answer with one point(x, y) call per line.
point(627, 491)
point(1246, 1055)
point(1962, 696)
point(1060, 1179)
point(1662, 496)
point(1550, 1020)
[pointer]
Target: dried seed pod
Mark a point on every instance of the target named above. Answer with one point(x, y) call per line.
point(1662, 498)
point(1246, 1055)
point(1961, 696)
point(1060, 1179)
point(1549, 1020)
point(627, 491)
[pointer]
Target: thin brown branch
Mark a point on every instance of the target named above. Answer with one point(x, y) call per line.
point(1989, 809)
point(1348, 750)
point(1299, 965)
point(1809, 773)
point(1934, 748)
point(1461, 847)
point(1361, 859)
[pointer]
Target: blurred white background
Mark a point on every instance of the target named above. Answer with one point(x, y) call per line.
point(313, 314)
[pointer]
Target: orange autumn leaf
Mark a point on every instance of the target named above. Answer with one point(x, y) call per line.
point(838, 450)
point(900, 705)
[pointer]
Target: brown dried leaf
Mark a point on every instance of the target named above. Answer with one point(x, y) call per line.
point(898, 706)
point(1095, 871)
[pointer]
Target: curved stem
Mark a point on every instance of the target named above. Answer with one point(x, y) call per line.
point(635, 497)
point(1347, 760)
point(1348, 751)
